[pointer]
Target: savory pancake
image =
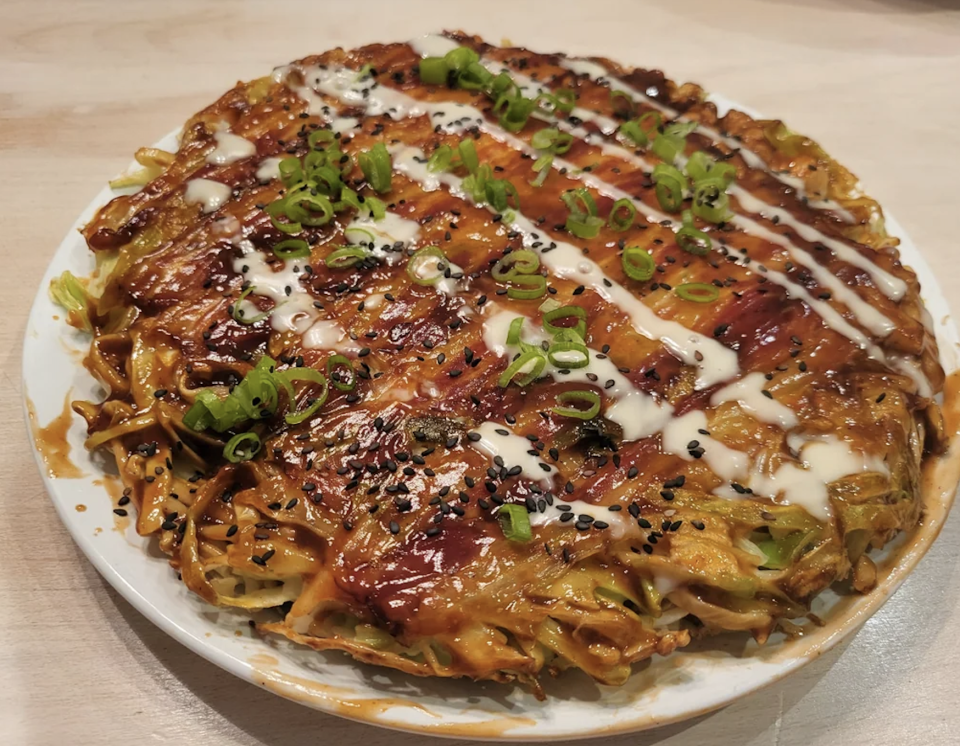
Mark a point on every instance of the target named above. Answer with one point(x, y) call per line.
point(474, 361)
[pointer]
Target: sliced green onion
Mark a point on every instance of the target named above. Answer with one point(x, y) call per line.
point(513, 331)
point(327, 180)
point(673, 140)
point(698, 292)
point(542, 168)
point(522, 261)
point(237, 312)
point(476, 183)
point(441, 159)
point(667, 148)
point(637, 263)
point(566, 312)
point(348, 198)
point(710, 201)
point(378, 210)
point(336, 381)
point(634, 132)
point(459, 58)
point(377, 168)
point(291, 171)
point(345, 257)
point(692, 240)
point(525, 369)
point(725, 172)
point(500, 85)
point(256, 393)
point(199, 417)
point(580, 200)
point(474, 77)
point(278, 209)
point(499, 192)
point(242, 447)
point(308, 209)
point(531, 286)
point(515, 522)
point(321, 137)
point(561, 100)
point(701, 166)
point(615, 101)
point(651, 116)
point(314, 159)
point(434, 70)
point(584, 226)
point(552, 139)
point(513, 111)
point(670, 186)
point(256, 396)
point(310, 375)
point(365, 71)
point(559, 353)
point(468, 155)
point(582, 220)
point(622, 214)
point(292, 248)
point(590, 397)
point(421, 261)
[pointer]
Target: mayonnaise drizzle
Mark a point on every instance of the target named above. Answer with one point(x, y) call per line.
point(385, 238)
point(638, 414)
point(269, 169)
point(891, 286)
point(293, 309)
point(515, 450)
point(212, 195)
point(717, 363)
point(824, 459)
point(565, 260)
point(866, 314)
point(617, 524)
point(748, 393)
point(832, 319)
point(436, 45)
point(597, 73)
point(682, 432)
point(230, 148)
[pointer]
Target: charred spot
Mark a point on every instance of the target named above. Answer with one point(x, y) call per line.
point(432, 429)
point(592, 438)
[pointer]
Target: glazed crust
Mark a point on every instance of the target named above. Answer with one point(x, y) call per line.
point(378, 515)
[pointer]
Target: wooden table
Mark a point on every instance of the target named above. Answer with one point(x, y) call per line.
point(82, 84)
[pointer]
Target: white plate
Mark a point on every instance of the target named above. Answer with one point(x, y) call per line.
point(688, 683)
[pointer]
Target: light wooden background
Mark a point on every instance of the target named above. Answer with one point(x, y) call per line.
point(83, 83)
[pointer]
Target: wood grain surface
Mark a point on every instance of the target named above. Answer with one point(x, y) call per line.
point(83, 83)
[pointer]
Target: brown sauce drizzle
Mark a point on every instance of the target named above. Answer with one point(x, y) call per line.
point(51, 441)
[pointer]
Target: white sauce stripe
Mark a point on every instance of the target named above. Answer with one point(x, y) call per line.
point(637, 413)
point(616, 523)
point(718, 363)
point(515, 450)
point(748, 393)
point(599, 74)
point(865, 314)
point(294, 308)
point(230, 148)
point(212, 195)
point(714, 362)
